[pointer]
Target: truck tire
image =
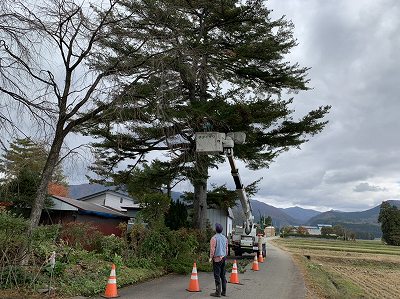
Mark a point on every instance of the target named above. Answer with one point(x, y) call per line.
point(238, 252)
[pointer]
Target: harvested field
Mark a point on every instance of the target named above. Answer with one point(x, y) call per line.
point(369, 266)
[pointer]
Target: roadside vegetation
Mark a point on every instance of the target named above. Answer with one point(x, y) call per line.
point(346, 269)
point(84, 256)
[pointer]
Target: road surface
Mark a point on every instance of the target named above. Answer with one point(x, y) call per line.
point(278, 278)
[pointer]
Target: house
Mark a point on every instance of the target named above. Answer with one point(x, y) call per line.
point(221, 216)
point(269, 231)
point(314, 230)
point(116, 200)
point(132, 211)
point(66, 210)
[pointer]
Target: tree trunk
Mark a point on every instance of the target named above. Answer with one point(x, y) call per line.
point(200, 204)
point(200, 193)
point(45, 179)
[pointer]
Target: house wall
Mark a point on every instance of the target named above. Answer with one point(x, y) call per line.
point(63, 206)
point(220, 216)
point(314, 231)
point(269, 231)
point(58, 217)
point(106, 226)
point(100, 199)
point(117, 201)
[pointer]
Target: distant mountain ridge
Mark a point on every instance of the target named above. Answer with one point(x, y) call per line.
point(303, 215)
point(367, 216)
point(279, 217)
point(363, 221)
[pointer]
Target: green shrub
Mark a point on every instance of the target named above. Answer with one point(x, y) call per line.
point(203, 238)
point(58, 270)
point(204, 266)
point(43, 241)
point(182, 266)
point(139, 262)
point(155, 246)
point(137, 234)
point(182, 244)
point(111, 245)
point(14, 276)
point(13, 236)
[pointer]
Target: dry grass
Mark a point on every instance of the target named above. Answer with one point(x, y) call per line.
point(338, 269)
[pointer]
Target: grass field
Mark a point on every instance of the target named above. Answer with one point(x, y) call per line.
point(346, 269)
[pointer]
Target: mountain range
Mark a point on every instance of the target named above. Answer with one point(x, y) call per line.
point(362, 222)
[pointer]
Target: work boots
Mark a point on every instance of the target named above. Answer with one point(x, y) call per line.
point(217, 293)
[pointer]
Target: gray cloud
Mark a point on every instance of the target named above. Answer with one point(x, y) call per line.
point(336, 176)
point(365, 187)
point(352, 48)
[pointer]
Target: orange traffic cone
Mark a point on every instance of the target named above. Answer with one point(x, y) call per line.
point(111, 288)
point(255, 264)
point(194, 281)
point(234, 275)
point(260, 258)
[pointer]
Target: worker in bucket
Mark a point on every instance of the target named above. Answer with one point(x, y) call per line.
point(218, 253)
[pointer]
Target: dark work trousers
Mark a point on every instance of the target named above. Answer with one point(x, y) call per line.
point(219, 276)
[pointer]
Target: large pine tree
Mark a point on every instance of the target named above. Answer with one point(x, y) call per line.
point(217, 66)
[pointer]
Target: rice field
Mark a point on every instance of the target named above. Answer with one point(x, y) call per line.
point(346, 269)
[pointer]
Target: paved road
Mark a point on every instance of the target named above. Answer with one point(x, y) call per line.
point(278, 278)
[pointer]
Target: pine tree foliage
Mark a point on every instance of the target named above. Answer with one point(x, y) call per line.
point(21, 167)
point(27, 154)
point(216, 66)
point(177, 215)
point(389, 217)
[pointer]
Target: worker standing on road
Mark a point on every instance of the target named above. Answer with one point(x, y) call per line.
point(218, 253)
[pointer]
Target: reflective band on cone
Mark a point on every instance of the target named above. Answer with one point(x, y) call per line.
point(260, 258)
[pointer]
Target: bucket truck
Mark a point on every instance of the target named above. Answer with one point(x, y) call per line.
point(244, 238)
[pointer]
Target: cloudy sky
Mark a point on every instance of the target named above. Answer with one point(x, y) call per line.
point(353, 50)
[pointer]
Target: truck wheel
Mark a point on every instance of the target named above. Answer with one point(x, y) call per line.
point(238, 253)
